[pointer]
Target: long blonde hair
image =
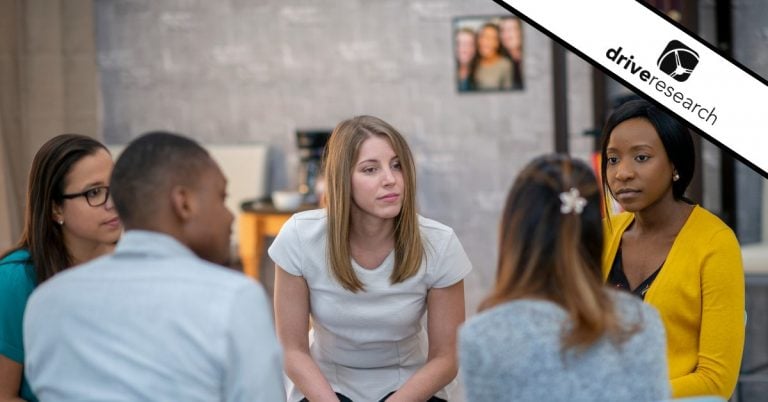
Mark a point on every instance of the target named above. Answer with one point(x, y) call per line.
point(341, 154)
point(546, 253)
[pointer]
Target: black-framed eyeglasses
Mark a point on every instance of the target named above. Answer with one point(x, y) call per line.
point(96, 196)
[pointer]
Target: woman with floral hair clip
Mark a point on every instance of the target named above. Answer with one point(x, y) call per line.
point(550, 330)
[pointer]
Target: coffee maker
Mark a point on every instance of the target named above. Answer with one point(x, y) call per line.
point(311, 144)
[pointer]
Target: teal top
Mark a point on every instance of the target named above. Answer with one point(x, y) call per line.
point(17, 280)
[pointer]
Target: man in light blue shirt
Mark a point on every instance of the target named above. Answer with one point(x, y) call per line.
point(159, 320)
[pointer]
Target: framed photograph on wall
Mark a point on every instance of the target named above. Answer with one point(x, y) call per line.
point(488, 53)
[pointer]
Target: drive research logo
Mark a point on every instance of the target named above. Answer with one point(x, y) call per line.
point(678, 60)
point(640, 75)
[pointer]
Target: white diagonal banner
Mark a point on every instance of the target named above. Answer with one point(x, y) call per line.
point(657, 58)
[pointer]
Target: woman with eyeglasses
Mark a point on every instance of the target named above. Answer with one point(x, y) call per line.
point(69, 219)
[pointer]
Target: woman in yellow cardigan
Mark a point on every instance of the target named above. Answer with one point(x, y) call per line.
point(674, 254)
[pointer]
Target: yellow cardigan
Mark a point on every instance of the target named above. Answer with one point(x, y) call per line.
point(699, 293)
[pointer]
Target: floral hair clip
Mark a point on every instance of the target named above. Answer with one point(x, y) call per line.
point(572, 201)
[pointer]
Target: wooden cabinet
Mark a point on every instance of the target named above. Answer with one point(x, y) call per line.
point(258, 221)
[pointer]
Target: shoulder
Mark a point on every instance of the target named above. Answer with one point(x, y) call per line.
point(314, 221)
point(302, 238)
point(479, 324)
point(185, 270)
point(311, 216)
point(434, 229)
point(302, 229)
point(222, 275)
point(512, 335)
point(16, 280)
point(220, 283)
point(437, 237)
point(236, 288)
point(703, 216)
point(704, 233)
point(16, 270)
point(15, 288)
point(445, 260)
point(703, 221)
point(514, 317)
point(18, 257)
point(436, 234)
point(241, 297)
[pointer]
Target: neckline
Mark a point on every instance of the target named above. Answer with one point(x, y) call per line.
point(660, 273)
point(381, 267)
point(618, 277)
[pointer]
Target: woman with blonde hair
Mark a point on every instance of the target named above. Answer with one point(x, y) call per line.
point(69, 219)
point(550, 330)
point(366, 269)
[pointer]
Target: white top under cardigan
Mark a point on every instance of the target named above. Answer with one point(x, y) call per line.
point(367, 344)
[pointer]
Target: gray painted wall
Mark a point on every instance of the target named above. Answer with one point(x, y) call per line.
point(254, 71)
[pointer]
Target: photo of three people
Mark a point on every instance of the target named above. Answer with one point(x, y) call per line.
point(488, 53)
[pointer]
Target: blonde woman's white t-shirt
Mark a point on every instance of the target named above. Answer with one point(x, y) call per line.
point(367, 344)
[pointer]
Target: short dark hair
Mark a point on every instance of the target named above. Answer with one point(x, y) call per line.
point(47, 179)
point(148, 168)
point(674, 136)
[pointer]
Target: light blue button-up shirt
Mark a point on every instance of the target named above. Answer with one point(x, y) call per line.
point(152, 322)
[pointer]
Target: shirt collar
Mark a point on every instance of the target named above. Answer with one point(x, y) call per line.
point(148, 243)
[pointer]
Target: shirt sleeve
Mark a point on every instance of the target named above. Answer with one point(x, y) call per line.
point(721, 340)
point(450, 266)
point(254, 370)
point(285, 250)
point(14, 293)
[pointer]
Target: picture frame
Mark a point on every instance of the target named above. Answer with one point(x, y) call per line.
point(488, 53)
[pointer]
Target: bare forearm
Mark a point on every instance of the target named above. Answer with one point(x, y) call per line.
point(306, 375)
point(11, 373)
point(428, 380)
